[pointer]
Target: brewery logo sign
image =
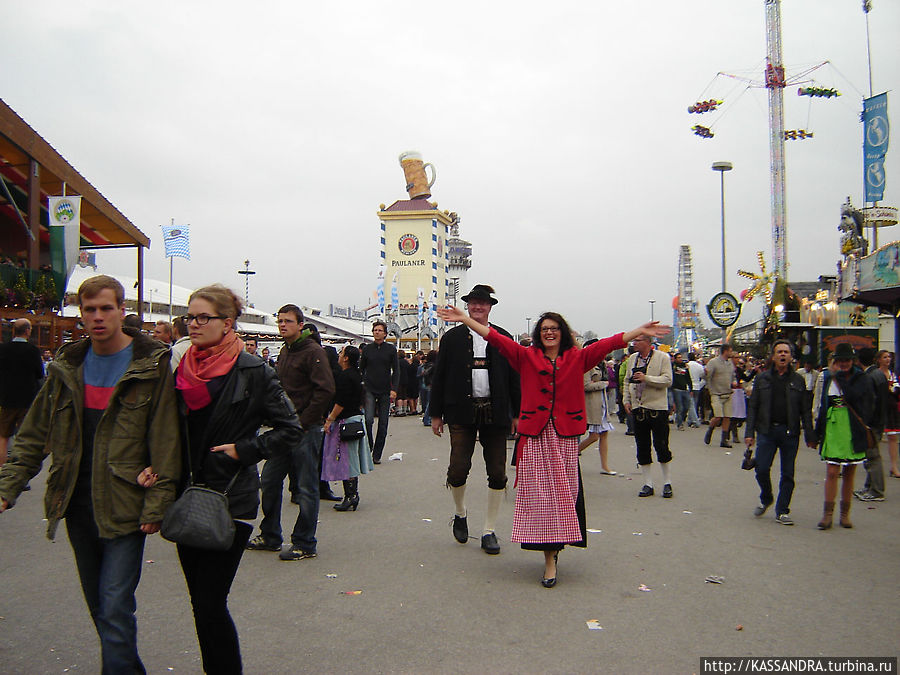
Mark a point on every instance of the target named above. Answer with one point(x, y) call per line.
point(724, 309)
point(408, 244)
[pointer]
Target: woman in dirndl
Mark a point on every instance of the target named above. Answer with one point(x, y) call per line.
point(843, 405)
point(596, 400)
point(885, 362)
point(549, 511)
point(346, 459)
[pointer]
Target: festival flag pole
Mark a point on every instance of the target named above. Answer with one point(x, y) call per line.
point(420, 303)
point(177, 241)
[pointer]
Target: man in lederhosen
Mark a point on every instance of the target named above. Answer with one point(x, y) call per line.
point(476, 393)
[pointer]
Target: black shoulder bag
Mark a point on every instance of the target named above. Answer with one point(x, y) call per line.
point(200, 516)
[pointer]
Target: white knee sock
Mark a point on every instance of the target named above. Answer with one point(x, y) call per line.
point(493, 508)
point(665, 472)
point(459, 498)
point(645, 470)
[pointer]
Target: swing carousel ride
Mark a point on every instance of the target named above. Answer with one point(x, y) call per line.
point(723, 93)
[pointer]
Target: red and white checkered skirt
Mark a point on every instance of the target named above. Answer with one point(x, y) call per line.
point(546, 490)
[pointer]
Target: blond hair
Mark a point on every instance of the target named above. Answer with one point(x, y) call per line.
point(226, 302)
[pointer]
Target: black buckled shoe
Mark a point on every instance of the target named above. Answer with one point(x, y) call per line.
point(667, 491)
point(646, 491)
point(460, 529)
point(489, 544)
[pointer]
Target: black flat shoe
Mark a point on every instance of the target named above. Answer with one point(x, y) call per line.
point(460, 529)
point(646, 491)
point(489, 544)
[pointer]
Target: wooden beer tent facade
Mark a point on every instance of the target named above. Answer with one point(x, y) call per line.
point(31, 170)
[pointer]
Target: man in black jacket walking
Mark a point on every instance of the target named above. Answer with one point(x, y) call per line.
point(21, 373)
point(775, 414)
point(380, 368)
point(476, 392)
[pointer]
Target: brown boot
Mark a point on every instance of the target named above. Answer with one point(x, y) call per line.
point(845, 514)
point(827, 515)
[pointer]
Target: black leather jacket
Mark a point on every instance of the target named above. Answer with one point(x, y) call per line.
point(250, 397)
point(759, 408)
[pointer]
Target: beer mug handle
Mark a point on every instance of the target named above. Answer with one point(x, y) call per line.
point(433, 173)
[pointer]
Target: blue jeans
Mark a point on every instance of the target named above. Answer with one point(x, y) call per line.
point(381, 403)
point(303, 463)
point(693, 419)
point(425, 399)
point(766, 445)
point(682, 405)
point(110, 570)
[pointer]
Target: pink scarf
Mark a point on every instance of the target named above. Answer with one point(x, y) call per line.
point(199, 366)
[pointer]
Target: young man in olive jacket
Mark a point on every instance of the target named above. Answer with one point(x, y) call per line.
point(775, 413)
point(306, 377)
point(476, 392)
point(106, 411)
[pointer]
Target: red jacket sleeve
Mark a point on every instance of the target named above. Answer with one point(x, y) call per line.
point(594, 353)
point(511, 350)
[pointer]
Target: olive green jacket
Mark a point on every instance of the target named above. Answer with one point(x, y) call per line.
point(139, 428)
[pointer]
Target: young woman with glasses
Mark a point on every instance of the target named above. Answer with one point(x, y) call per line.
point(225, 395)
point(549, 510)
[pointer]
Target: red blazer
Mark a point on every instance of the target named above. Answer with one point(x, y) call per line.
point(553, 392)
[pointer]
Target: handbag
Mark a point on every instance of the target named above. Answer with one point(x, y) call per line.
point(871, 436)
point(749, 461)
point(200, 516)
point(351, 431)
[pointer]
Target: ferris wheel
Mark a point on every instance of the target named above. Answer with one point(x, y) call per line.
point(686, 319)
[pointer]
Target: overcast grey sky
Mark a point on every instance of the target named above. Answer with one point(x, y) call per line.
point(559, 132)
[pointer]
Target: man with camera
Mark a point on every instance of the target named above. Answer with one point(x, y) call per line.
point(648, 375)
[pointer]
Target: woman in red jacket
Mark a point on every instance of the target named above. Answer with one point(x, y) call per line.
point(549, 511)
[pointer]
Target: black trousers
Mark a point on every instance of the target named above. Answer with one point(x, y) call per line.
point(651, 424)
point(462, 447)
point(209, 575)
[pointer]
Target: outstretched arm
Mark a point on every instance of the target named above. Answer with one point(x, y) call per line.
point(455, 314)
point(652, 329)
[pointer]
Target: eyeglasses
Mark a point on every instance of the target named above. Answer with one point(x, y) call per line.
point(201, 319)
point(550, 329)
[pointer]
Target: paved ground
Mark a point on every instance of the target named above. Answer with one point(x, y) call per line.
point(430, 605)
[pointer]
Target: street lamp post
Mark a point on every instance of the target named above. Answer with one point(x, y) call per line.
point(528, 325)
point(722, 167)
point(652, 302)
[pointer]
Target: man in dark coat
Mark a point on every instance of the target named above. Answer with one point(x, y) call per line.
point(776, 413)
point(476, 392)
point(21, 372)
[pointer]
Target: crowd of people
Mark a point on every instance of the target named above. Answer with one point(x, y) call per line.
point(132, 417)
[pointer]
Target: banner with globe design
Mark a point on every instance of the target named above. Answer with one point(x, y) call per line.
point(64, 219)
point(876, 131)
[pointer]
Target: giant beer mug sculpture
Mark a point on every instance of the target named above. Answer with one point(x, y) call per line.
point(417, 184)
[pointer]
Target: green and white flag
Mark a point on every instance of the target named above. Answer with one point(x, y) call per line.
point(65, 233)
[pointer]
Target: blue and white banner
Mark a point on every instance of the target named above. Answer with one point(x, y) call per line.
point(380, 289)
point(432, 310)
point(177, 239)
point(395, 294)
point(420, 305)
point(876, 130)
